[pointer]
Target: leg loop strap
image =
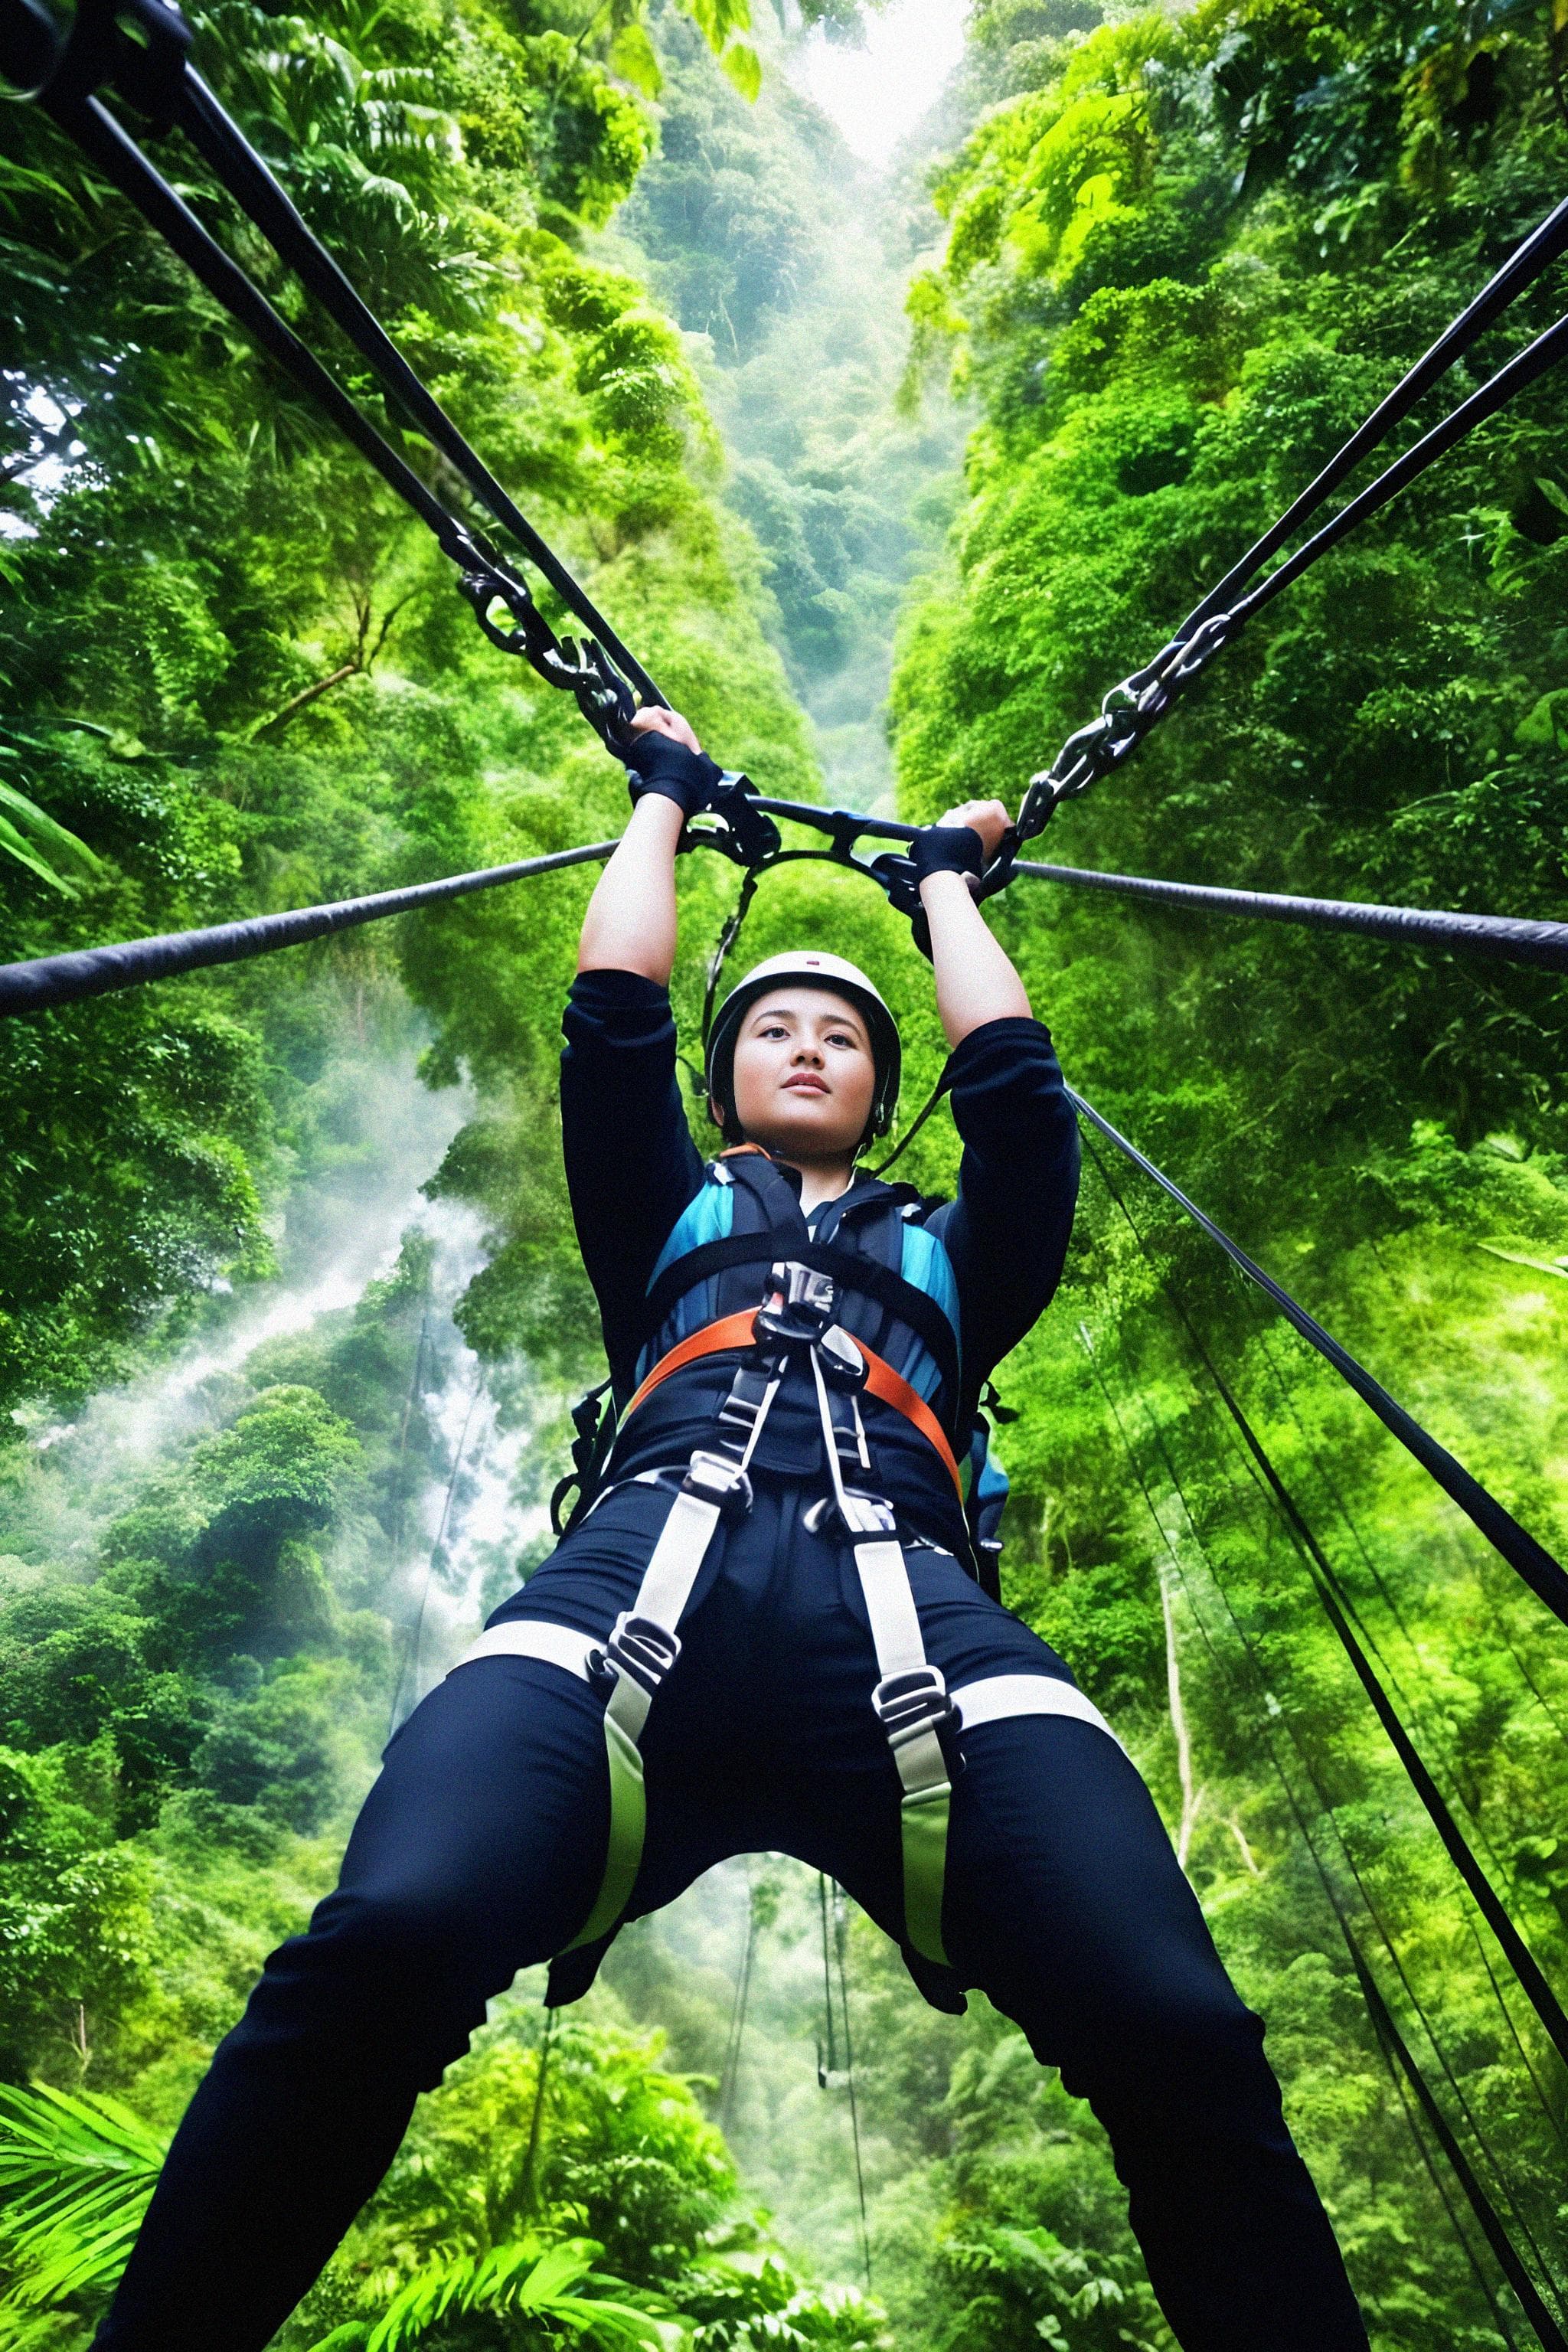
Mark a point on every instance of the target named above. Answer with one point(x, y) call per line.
point(998, 1696)
point(533, 1637)
point(644, 1646)
point(910, 1699)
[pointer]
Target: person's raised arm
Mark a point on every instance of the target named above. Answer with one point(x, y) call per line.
point(976, 982)
point(1006, 1232)
point(630, 922)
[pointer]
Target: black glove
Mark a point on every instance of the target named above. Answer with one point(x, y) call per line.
point(657, 763)
point(946, 849)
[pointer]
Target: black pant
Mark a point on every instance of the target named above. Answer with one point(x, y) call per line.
point(479, 1851)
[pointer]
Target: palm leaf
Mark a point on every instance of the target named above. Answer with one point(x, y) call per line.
point(20, 816)
point(520, 2278)
point(76, 2173)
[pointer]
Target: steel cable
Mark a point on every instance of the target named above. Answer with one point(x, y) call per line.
point(1545, 244)
point(1134, 707)
point(62, 979)
point(252, 185)
point(65, 979)
point(122, 162)
point(140, 48)
point(1520, 1959)
point(1494, 2229)
point(1517, 940)
point(1526, 367)
point(1529, 1559)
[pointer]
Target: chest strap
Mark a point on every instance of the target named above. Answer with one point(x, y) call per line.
point(888, 1386)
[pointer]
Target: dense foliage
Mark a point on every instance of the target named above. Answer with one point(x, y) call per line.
point(1182, 254)
point(240, 678)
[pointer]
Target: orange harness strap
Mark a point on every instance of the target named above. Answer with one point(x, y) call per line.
point(881, 1381)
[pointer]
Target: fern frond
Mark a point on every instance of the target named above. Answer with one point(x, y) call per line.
point(76, 2173)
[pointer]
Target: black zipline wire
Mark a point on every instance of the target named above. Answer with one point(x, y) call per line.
point(219, 140)
point(1388, 2032)
point(1290, 1795)
point(1130, 709)
point(1277, 1517)
point(1524, 369)
point(1290, 1516)
point(66, 979)
point(1516, 939)
point(1513, 2270)
point(45, 981)
point(840, 1938)
point(729, 2076)
point(1425, 1723)
point(1544, 245)
point(1429, 1725)
point(1529, 1559)
point(408, 1674)
point(1520, 1959)
point(141, 47)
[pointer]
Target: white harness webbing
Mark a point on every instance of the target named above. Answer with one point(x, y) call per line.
point(991, 1700)
point(911, 1699)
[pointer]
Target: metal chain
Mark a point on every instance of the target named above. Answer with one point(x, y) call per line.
point(141, 49)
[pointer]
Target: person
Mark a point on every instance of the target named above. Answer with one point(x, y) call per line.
point(762, 1632)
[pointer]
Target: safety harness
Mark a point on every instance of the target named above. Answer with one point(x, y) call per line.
point(898, 1298)
point(797, 1322)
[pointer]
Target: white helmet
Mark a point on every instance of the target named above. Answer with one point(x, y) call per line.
point(807, 969)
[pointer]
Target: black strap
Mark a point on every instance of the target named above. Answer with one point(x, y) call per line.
point(219, 139)
point(1545, 244)
point(1526, 368)
point(854, 1270)
point(1531, 1561)
point(1516, 939)
point(65, 979)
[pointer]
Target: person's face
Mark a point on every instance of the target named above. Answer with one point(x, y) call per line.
point(804, 1077)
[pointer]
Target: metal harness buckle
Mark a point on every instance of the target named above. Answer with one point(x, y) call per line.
point(713, 1479)
point(640, 1647)
point(858, 1514)
point(908, 1704)
point(843, 1365)
point(799, 1305)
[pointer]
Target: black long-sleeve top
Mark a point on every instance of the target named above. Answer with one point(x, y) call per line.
point(632, 1169)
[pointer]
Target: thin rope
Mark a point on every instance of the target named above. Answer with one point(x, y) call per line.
point(1520, 1959)
point(730, 2072)
point(1429, 1717)
point(1485, 2213)
point(909, 1133)
point(1530, 1559)
point(824, 2068)
point(411, 1664)
point(1372, 1909)
point(528, 2187)
point(841, 1931)
point(1391, 1948)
